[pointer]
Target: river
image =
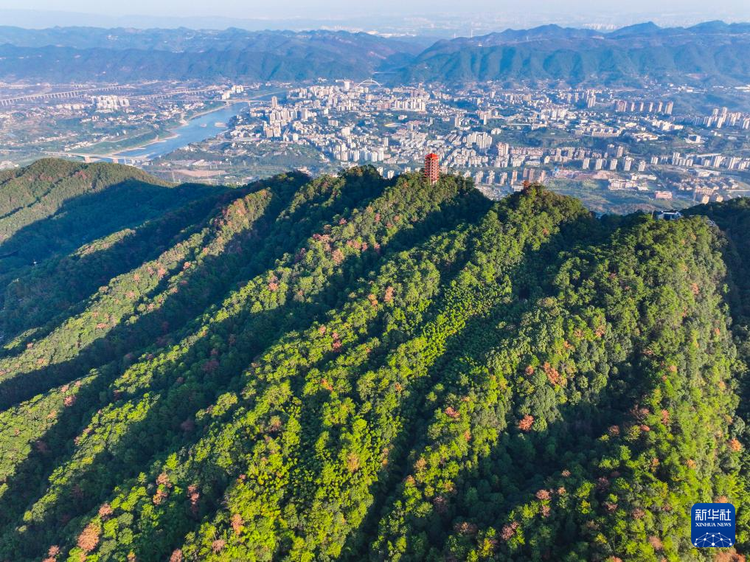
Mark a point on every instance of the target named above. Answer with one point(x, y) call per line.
point(197, 129)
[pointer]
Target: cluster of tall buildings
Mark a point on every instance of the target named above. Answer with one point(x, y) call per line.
point(625, 106)
point(482, 140)
point(626, 164)
point(232, 91)
point(712, 160)
point(724, 118)
point(410, 104)
point(110, 103)
point(343, 154)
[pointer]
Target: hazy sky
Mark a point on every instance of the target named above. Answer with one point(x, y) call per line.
point(739, 9)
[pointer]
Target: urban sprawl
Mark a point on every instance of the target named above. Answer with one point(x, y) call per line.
point(610, 142)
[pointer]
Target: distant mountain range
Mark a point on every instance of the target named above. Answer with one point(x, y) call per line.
point(60, 54)
point(712, 52)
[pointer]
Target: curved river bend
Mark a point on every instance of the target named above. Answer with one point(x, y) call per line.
point(198, 129)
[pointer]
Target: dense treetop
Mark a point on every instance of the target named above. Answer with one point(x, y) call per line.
point(355, 368)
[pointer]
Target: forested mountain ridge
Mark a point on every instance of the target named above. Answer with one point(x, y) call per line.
point(349, 367)
point(712, 52)
point(131, 55)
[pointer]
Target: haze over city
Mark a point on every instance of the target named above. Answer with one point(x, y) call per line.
point(389, 15)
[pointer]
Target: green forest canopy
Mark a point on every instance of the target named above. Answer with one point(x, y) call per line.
point(355, 368)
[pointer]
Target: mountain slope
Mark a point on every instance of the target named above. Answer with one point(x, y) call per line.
point(55, 205)
point(349, 368)
point(191, 40)
point(64, 54)
point(629, 56)
point(634, 55)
